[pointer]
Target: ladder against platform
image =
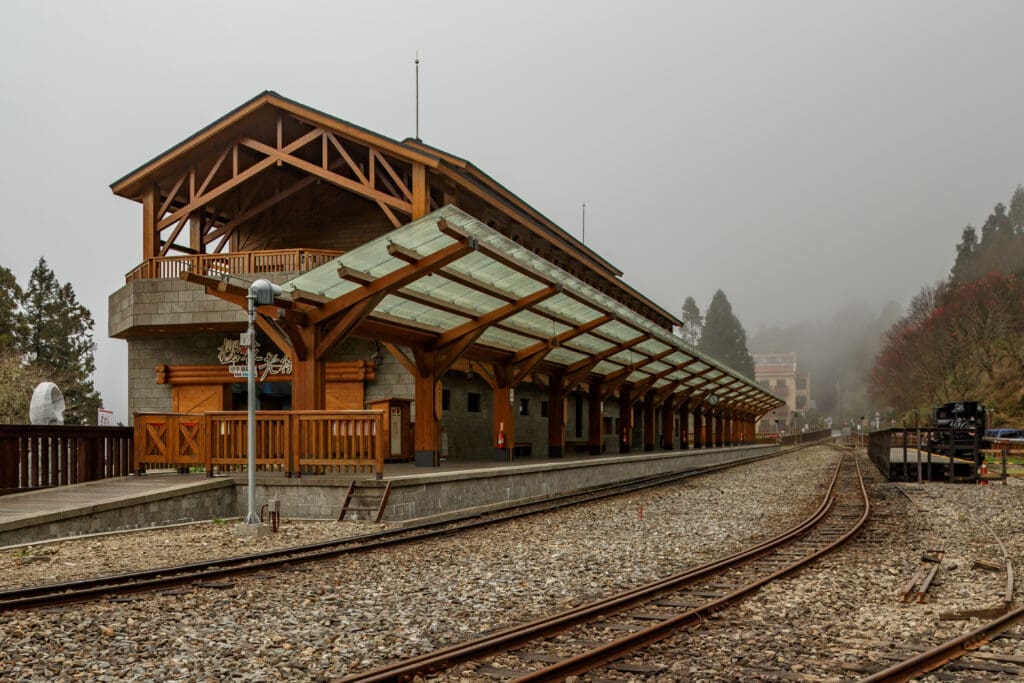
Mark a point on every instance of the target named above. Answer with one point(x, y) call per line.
point(372, 500)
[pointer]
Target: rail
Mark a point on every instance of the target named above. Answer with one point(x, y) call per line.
point(43, 456)
point(232, 263)
point(290, 442)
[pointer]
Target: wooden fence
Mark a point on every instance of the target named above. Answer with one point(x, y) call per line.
point(38, 456)
point(291, 442)
point(233, 263)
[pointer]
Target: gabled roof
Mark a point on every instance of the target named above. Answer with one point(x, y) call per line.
point(131, 184)
point(260, 111)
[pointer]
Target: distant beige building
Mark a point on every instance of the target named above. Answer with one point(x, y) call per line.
point(778, 372)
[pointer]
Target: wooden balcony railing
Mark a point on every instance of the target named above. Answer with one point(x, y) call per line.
point(37, 456)
point(233, 263)
point(291, 442)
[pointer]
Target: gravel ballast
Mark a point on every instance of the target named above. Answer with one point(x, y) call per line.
point(326, 620)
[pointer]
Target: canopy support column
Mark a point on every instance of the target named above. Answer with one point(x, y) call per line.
point(625, 419)
point(684, 425)
point(595, 416)
point(309, 372)
point(668, 423)
point(427, 428)
point(556, 416)
point(698, 426)
point(709, 428)
point(649, 422)
point(504, 423)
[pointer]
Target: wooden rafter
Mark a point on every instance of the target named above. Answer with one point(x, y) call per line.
point(213, 193)
point(395, 280)
point(478, 325)
point(613, 381)
point(285, 156)
point(358, 174)
point(581, 368)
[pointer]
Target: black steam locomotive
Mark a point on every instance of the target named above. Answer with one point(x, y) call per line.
point(958, 429)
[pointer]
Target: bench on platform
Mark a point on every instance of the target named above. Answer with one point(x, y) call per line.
point(522, 449)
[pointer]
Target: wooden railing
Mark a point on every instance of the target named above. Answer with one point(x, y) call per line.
point(35, 456)
point(233, 263)
point(291, 442)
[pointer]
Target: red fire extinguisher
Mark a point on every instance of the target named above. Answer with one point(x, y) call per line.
point(501, 435)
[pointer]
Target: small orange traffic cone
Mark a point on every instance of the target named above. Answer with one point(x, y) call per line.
point(982, 472)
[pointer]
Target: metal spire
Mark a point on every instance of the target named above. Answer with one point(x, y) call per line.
point(417, 61)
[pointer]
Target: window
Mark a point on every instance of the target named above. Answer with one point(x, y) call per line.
point(543, 408)
point(473, 402)
point(524, 406)
point(446, 399)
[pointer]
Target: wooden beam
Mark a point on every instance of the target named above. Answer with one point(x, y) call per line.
point(149, 221)
point(613, 381)
point(560, 339)
point(359, 175)
point(237, 180)
point(221, 286)
point(399, 183)
point(341, 327)
point(493, 317)
point(354, 186)
point(420, 191)
point(401, 357)
point(395, 280)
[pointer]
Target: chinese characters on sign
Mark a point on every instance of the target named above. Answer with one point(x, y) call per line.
point(233, 354)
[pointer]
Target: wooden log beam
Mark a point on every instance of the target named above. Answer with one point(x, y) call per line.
point(200, 200)
point(394, 280)
point(331, 177)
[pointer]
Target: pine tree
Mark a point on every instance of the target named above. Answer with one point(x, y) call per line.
point(723, 337)
point(12, 323)
point(962, 270)
point(1016, 212)
point(693, 322)
point(59, 342)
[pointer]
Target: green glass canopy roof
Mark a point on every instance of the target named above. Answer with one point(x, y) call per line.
point(498, 273)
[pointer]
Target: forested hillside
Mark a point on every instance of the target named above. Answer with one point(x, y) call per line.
point(963, 337)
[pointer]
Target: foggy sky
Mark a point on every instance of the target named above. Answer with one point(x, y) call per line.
point(797, 155)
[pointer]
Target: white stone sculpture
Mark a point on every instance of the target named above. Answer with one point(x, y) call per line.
point(47, 406)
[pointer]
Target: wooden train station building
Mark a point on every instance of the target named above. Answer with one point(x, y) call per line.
point(416, 289)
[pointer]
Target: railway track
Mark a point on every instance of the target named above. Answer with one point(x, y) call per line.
point(996, 647)
point(602, 636)
point(207, 573)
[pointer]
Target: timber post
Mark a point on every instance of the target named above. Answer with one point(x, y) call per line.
point(595, 413)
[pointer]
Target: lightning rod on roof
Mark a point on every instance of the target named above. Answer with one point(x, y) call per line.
point(417, 62)
point(584, 238)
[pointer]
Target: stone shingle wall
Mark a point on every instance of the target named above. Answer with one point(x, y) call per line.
point(155, 303)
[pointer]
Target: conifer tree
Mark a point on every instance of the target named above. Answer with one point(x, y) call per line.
point(59, 342)
point(965, 251)
point(693, 322)
point(1016, 212)
point(724, 338)
point(12, 323)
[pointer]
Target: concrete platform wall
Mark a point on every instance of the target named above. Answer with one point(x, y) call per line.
point(421, 495)
point(216, 499)
point(434, 495)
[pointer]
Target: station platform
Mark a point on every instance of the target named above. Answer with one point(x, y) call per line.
point(934, 467)
point(414, 493)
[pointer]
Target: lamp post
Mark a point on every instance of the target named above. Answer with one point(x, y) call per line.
point(261, 293)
